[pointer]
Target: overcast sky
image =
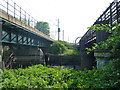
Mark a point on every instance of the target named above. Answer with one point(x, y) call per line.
point(74, 15)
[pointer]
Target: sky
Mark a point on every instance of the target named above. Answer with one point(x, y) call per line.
point(74, 15)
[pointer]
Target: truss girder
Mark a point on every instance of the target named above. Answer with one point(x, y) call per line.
point(13, 34)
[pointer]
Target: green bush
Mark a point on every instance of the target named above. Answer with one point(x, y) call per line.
point(57, 48)
point(63, 48)
point(68, 45)
point(39, 76)
point(71, 52)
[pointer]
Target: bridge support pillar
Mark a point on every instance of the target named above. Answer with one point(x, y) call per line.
point(87, 60)
point(102, 58)
point(1, 56)
point(17, 55)
point(1, 45)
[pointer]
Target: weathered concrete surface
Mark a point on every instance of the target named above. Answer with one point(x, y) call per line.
point(102, 58)
point(87, 60)
point(0, 44)
point(63, 60)
point(15, 56)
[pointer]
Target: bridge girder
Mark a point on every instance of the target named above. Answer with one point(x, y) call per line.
point(12, 33)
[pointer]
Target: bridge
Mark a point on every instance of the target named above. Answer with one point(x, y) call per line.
point(109, 16)
point(19, 40)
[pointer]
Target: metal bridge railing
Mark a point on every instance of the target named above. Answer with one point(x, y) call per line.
point(109, 16)
point(17, 12)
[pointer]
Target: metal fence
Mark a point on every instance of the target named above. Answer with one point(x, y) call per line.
point(17, 12)
point(109, 16)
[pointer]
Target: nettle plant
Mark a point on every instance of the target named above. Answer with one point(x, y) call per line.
point(112, 44)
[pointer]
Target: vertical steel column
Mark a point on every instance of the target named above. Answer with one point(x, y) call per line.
point(25, 18)
point(1, 66)
point(29, 20)
point(17, 38)
point(7, 6)
point(117, 11)
point(20, 13)
point(111, 14)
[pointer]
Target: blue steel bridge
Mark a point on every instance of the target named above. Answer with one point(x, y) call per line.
point(17, 29)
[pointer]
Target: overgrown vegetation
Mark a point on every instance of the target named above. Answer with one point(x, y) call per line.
point(57, 48)
point(39, 76)
point(112, 44)
point(63, 48)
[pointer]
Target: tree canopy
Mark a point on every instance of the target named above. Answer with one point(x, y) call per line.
point(43, 27)
point(57, 48)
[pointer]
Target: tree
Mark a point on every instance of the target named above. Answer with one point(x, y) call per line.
point(57, 48)
point(68, 45)
point(43, 27)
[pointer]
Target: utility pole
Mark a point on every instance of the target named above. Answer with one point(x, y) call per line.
point(68, 39)
point(63, 35)
point(58, 31)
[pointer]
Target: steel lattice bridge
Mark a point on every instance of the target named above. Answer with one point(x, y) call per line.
point(20, 42)
point(109, 16)
point(18, 26)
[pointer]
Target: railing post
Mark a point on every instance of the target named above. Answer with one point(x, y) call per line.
point(117, 11)
point(111, 14)
point(25, 17)
point(34, 23)
point(29, 21)
point(20, 13)
point(14, 9)
point(7, 6)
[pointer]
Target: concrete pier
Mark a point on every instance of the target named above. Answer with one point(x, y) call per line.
point(0, 44)
point(16, 56)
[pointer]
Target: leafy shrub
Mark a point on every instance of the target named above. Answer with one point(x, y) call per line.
point(71, 52)
point(68, 45)
point(112, 43)
point(39, 76)
point(63, 48)
point(57, 48)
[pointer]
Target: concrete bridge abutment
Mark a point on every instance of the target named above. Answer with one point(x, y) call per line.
point(87, 60)
point(1, 44)
point(15, 56)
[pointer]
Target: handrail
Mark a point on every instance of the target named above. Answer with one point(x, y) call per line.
point(17, 12)
point(109, 16)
